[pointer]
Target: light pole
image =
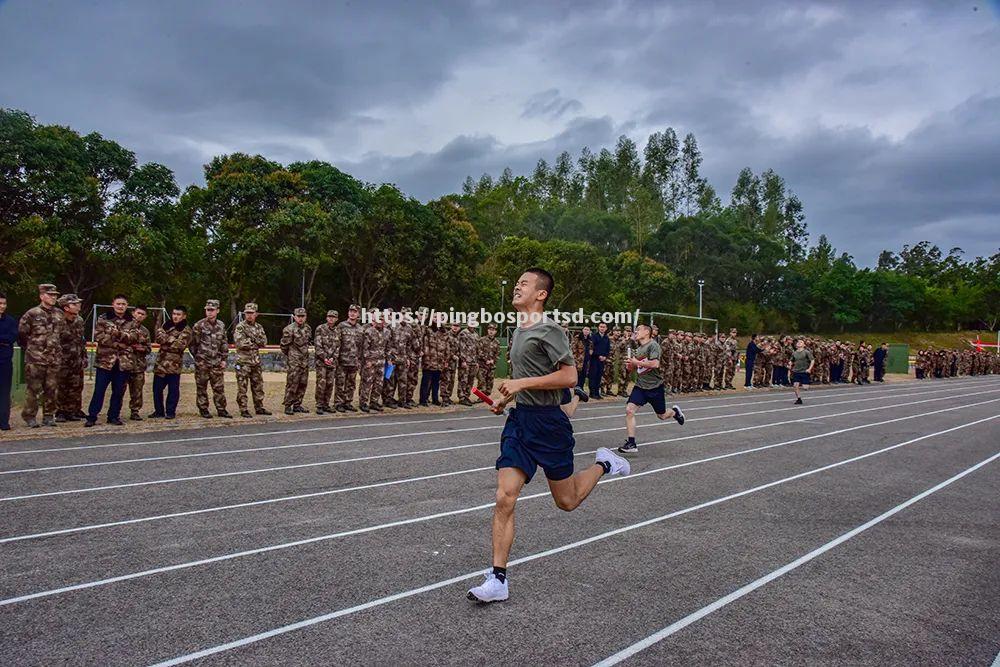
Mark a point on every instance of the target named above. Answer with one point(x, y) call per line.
point(701, 284)
point(503, 286)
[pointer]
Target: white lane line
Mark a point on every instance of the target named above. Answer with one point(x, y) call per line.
point(320, 494)
point(245, 450)
point(996, 661)
point(491, 443)
point(378, 602)
point(374, 423)
point(423, 519)
point(660, 635)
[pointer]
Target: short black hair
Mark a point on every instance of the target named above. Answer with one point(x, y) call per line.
point(3, 295)
point(119, 296)
point(753, 336)
point(141, 307)
point(183, 309)
point(548, 283)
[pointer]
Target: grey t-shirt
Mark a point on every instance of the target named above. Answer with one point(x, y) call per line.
point(536, 351)
point(801, 360)
point(648, 378)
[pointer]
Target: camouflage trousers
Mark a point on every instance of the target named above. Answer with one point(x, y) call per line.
point(396, 382)
point(205, 375)
point(608, 377)
point(372, 379)
point(863, 371)
point(42, 390)
point(346, 383)
point(70, 390)
point(466, 379)
point(447, 385)
point(728, 371)
point(412, 371)
point(401, 377)
point(326, 380)
point(252, 376)
point(295, 383)
point(136, 382)
point(485, 379)
point(623, 377)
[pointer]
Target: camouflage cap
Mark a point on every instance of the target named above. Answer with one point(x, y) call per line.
point(332, 313)
point(405, 309)
point(354, 306)
point(48, 288)
point(299, 312)
point(212, 303)
point(68, 299)
point(250, 308)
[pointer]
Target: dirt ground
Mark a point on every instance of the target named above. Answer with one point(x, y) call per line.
point(274, 390)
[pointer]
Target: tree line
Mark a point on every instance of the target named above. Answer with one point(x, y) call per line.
point(619, 230)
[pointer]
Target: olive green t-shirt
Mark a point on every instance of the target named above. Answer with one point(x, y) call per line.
point(648, 378)
point(801, 360)
point(536, 351)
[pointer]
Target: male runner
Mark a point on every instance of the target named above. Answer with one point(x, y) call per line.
point(537, 431)
point(648, 387)
point(802, 366)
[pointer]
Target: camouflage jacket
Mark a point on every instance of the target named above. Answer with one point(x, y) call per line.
point(113, 340)
point(468, 347)
point(133, 360)
point(323, 343)
point(436, 349)
point(348, 344)
point(73, 343)
point(248, 339)
point(489, 350)
point(402, 342)
point(173, 339)
point(209, 343)
point(451, 350)
point(38, 334)
point(418, 342)
point(375, 344)
point(295, 340)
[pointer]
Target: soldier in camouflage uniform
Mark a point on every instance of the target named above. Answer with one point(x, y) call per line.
point(295, 340)
point(581, 354)
point(248, 338)
point(468, 362)
point(72, 362)
point(114, 339)
point(173, 337)
point(435, 344)
point(449, 368)
point(414, 358)
point(347, 347)
point(730, 358)
point(38, 333)
point(400, 384)
point(133, 361)
point(325, 362)
point(210, 349)
point(489, 350)
point(375, 350)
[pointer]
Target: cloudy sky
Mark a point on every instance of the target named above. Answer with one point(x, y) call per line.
point(884, 118)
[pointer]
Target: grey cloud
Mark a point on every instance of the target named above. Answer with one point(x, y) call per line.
point(549, 104)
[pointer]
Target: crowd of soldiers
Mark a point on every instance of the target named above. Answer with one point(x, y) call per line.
point(945, 363)
point(387, 353)
point(690, 361)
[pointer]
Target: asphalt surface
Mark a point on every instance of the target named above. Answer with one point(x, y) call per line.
point(354, 541)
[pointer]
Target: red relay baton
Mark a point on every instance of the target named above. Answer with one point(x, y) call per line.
point(485, 399)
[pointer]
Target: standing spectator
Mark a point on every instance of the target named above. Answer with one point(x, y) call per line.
point(752, 350)
point(114, 339)
point(133, 361)
point(880, 356)
point(599, 352)
point(173, 337)
point(581, 355)
point(73, 346)
point(8, 336)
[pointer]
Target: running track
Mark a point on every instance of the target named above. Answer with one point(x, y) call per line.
point(861, 528)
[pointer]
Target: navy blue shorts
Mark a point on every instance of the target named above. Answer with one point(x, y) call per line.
point(538, 436)
point(655, 398)
point(801, 378)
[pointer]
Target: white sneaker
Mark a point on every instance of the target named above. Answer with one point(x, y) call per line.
point(619, 465)
point(748, 388)
point(678, 415)
point(491, 590)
